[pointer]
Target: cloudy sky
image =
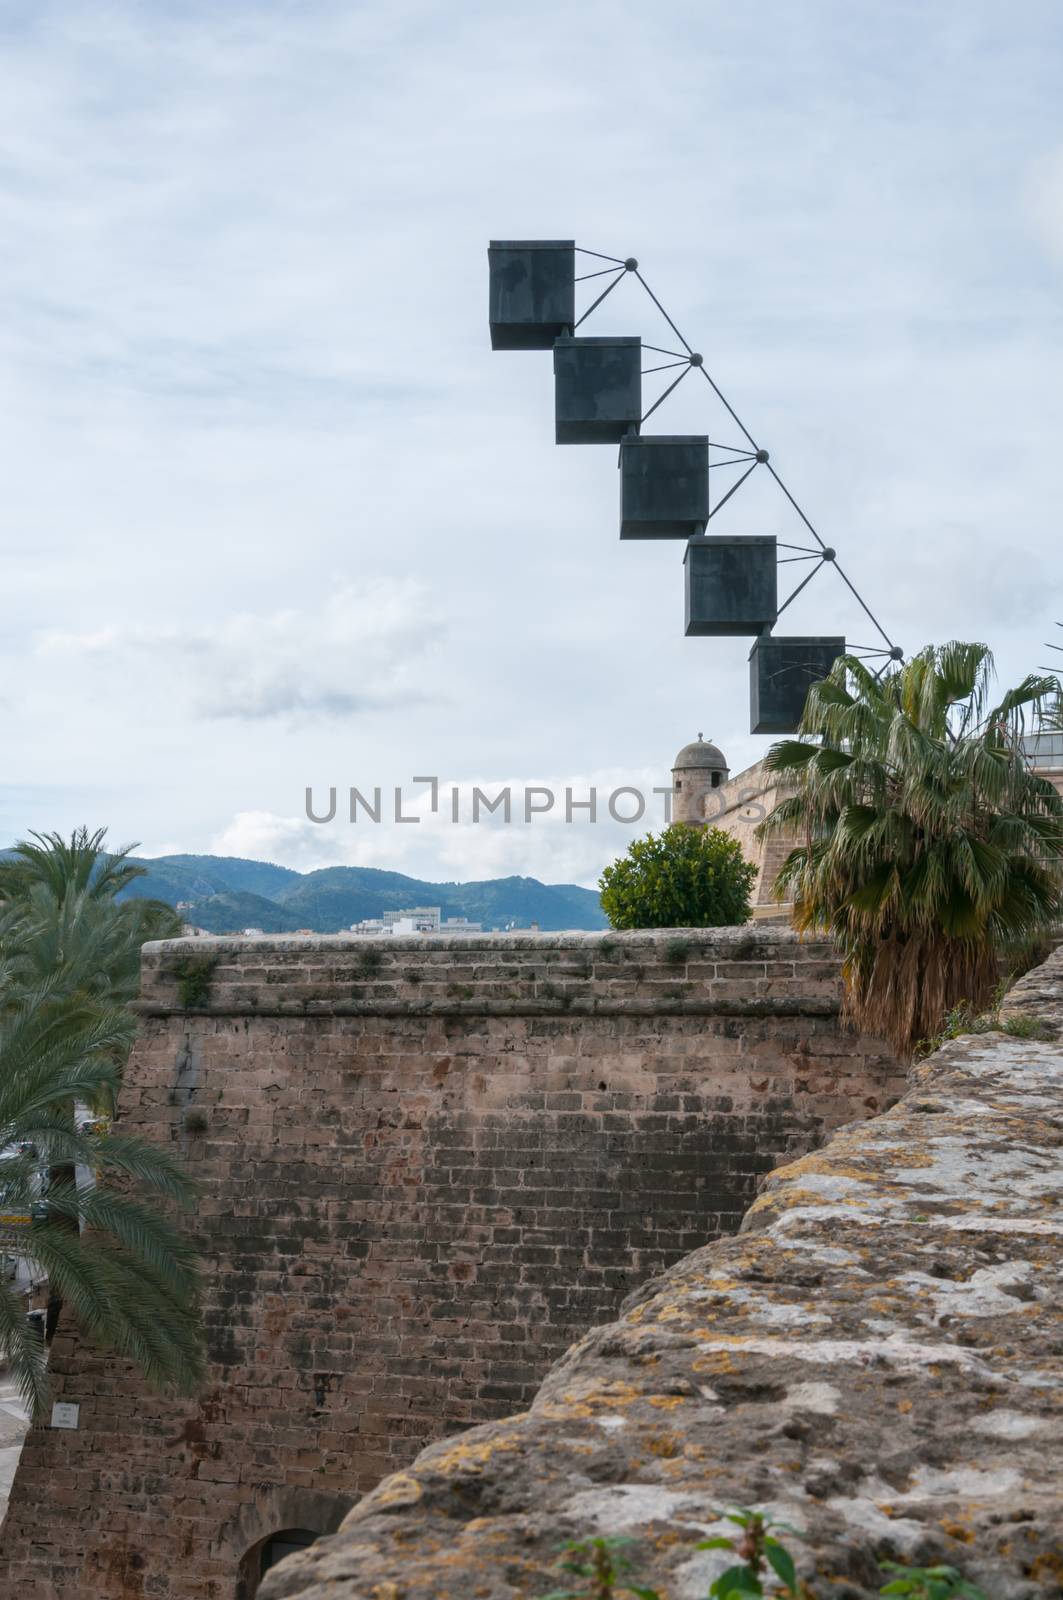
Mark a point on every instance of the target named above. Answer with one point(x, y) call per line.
point(275, 516)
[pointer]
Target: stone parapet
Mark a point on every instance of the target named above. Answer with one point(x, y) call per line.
point(694, 971)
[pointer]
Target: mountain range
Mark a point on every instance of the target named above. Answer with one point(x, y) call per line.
point(225, 894)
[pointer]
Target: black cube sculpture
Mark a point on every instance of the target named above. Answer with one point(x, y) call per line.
point(532, 292)
point(731, 584)
point(664, 486)
point(597, 389)
point(780, 674)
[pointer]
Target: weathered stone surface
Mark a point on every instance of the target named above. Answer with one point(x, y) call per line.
point(877, 1358)
point(427, 1166)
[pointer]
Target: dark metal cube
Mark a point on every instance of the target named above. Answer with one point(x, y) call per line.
point(532, 292)
point(731, 585)
point(597, 389)
point(664, 486)
point(781, 672)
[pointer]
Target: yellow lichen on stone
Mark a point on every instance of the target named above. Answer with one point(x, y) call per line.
point(470, 1456)
point(716, 1361)
point(400, 1490)
point(603, 1397)
point(820, 1164)
point(787, 1199)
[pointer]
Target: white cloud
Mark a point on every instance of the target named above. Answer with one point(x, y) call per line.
point(480, 844)
point(364, 649)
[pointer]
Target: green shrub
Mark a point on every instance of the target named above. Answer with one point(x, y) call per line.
point(684, 877)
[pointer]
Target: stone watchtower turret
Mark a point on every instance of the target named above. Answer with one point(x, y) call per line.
point(698, 769)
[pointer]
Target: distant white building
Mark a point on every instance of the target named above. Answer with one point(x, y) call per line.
point(425, 919)
point(417, 919)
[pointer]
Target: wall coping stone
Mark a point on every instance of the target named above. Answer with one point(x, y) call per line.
point(876, 1358)
point(653, 972)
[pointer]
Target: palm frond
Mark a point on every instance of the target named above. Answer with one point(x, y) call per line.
point(923, 836)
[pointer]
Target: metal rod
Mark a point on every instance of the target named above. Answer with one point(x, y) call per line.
point(730, 409)
point(662, 352)
point(663, 312)
point(673, 385)
point(585, 252)
point(667, 367)
point(585, 275)
point(784, 546)
point(601, 297)
point(800, 586)
point(732, 490)
point(865, 608)
point(813, 555)
point(796, 507)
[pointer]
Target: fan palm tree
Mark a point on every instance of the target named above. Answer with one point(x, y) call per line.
point(927, 846)
point(68, 961)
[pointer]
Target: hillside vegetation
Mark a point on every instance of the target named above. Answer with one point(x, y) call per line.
point(225, 894)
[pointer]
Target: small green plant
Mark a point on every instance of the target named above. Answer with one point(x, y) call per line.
point(369, 961)
point(963, 1019)
point(193, 974)
point(677, 952)
point(929, 1583)
point(1023, 1027)
point(196, 1122)
point(758, 1549)
point(960, 1020)
point(604, 1564)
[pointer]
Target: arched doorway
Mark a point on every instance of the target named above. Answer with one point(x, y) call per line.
point(280, 1521)
point(264, 1555)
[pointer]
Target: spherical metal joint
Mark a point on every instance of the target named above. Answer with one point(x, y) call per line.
point(631, 265)
point(896, 654)
point(697, 359)
point(762, 456)
point(828, 552)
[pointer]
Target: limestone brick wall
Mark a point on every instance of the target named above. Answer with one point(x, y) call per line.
point(738, 808)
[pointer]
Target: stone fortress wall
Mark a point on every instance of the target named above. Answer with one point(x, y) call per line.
point(876, 1358)
point(427, 1166)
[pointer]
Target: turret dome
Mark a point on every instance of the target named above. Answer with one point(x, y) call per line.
point(701, 756)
